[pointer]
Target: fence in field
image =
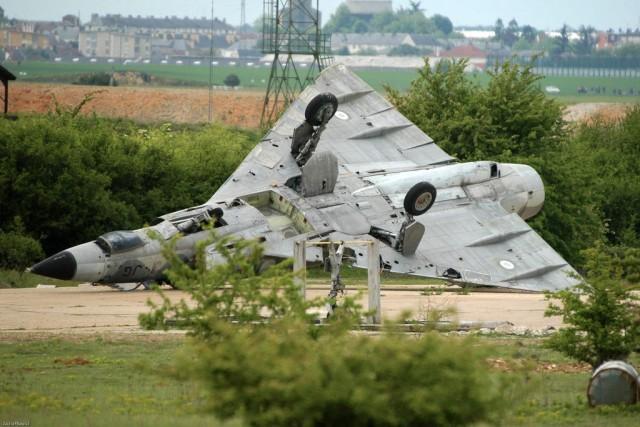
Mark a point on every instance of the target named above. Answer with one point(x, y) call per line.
point(587, 72)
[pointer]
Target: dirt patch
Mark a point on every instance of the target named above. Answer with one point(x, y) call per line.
point(590, 112)
point(541, 367)
point(99, 311)
point(76, 361)
point(143, 104)
point(191, 105)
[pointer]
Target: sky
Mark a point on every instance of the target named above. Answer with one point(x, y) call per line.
point(542, 14)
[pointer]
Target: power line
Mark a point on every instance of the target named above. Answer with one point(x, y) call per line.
point(211, 66)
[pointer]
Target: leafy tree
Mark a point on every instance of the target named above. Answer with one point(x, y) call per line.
point(360, 27)
point(499, 31)
point(587, 41)
point(511, 116)
point(562, 43)
point(381, 21)
point(405, 20)
point(610, 151)
point(409, 21)
point(601, 314)
point(521, 44)
point(283, 370)
point(17, 250)
point(232, 80)
point(512, 33)
point(629, 50)
point(405, 50)
point(341, 21)
point(415, 6)
point(258, 24)
point(529, 33)
point(3, 18)
point(443, 24)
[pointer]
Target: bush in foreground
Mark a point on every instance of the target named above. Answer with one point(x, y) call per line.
point(257, 352)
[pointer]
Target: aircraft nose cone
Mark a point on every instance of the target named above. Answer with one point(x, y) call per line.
point(61, 266)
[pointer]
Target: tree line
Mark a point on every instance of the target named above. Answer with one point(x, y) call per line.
point(404, 20)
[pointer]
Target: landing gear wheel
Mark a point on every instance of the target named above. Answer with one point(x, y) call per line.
point(419, 198)
point(321, 109)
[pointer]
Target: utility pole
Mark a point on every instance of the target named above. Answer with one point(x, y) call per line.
point(211, 51)
point(243, 13)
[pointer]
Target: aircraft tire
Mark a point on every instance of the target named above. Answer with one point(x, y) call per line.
point(419, 198)
point(319, 106)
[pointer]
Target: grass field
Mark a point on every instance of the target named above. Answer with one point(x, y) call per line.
point(256, 77)
point(127, 380)
point(315, 275)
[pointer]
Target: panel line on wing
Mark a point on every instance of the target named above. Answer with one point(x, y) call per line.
point(351, 96)
point(497, 238)
point(536, 272)
point(379, 131)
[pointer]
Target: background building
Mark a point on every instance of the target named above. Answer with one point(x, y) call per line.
point(105, 44)
point(369, 7)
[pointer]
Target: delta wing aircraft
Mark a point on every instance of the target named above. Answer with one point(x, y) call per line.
point(342, 164)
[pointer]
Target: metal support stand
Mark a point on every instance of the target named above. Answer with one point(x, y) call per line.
point(373, 282)
point(300, 265)
point(336, 250)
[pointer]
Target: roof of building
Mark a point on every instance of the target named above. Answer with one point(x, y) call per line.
point(159, 23)
point(369, 39)
point(204, 42)
point(466, 51)
point(6, 75)
point(425, 40)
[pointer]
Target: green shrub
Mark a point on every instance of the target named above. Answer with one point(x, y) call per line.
point(18, 251)
point(257, 352)
point(510, 116)
point(95, 79)
point(232, 80)
point(71, 178)
point(282, 376)
point(601, 313)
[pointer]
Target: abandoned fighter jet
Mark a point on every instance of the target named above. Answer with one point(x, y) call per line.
point(343, 164)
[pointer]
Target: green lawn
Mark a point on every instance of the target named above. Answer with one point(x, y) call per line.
point(256, 77)
point(20, 279)
point(127, 380)
point(122, 383)
point(315, 275)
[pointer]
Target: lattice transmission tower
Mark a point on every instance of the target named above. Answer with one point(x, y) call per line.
point(291, 27)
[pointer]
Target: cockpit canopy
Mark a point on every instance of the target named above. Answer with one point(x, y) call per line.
point(119, 241)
